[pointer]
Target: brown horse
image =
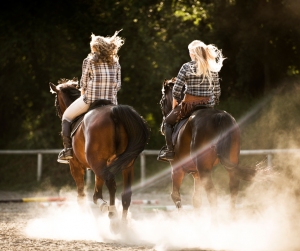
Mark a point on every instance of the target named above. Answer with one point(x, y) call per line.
point(208, 137)
point(108, 140)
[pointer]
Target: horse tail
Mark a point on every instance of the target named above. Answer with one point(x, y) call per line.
point(227, 127)
point(137, 131)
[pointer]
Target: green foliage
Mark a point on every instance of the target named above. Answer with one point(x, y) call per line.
point(43, 41)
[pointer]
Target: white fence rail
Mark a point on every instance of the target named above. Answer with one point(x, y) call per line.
point(39, 153)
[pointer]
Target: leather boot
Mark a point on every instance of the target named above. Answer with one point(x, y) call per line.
point(169, 152)
point(67, 152)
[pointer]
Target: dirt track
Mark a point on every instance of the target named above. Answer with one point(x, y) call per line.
point(27, 226)
point(15, 218)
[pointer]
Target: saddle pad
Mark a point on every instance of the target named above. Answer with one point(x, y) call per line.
point(76, 123)
point(177, 128)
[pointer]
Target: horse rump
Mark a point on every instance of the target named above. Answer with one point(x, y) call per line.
point(137, 131)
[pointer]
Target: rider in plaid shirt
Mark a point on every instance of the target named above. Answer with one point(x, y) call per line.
point(101, 79)
point(201, 81)
point(195, 85)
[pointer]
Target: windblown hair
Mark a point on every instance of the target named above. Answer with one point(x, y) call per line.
point(208, 59)
point(106, 48)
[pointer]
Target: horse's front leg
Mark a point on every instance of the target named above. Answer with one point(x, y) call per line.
point(126, 194)
point(77, 171)
point(177, 177)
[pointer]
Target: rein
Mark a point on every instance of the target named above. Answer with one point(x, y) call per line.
point(163, 103)
point(57, 106)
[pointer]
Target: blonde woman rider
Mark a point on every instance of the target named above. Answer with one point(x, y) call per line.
point(201, 81)
point(101, 79)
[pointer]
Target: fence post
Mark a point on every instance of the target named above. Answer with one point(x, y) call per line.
point(39, 166)
point(143, 168)
point(269, 160)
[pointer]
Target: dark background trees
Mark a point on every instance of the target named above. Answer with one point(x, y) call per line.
point(43, 41)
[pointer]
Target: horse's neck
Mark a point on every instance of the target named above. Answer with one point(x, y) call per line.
point(65, 104)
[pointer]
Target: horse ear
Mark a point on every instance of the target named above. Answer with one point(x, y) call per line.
point(53, 88)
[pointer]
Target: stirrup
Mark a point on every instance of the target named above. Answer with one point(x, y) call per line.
point(65, 155)
point(63, 161)
point(163, 158)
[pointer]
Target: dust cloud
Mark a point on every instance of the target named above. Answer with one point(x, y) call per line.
point(267, 216)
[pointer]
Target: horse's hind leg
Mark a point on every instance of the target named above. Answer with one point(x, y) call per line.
point(77, 171)
point(204, 165)
point(234, 181)
point(98, 189)
point(112, 188)
point(197, 200)
point(126, 194)
point(98, 167)
point(177, 177)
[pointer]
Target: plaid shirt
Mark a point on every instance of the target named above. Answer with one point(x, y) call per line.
point(100, 81)
point(193, 85)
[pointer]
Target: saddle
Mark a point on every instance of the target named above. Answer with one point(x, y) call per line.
point(78, 120)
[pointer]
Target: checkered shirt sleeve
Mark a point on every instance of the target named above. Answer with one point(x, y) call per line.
point(85, 74)
point(100, 81)
point(195, 86)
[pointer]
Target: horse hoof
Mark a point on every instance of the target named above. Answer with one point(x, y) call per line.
point(102, 205)
point(178, 205)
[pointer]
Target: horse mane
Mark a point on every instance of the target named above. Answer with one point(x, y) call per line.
point(169, 83)
point(70, 88)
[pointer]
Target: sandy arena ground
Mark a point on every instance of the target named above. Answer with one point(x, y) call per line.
point(28, 226)
point(16, 217)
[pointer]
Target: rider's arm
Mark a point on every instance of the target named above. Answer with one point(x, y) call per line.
point(85, 75)
point(217, 88)
point(179, 84)
point(119, 77)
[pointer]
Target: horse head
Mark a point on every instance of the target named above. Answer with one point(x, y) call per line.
point(166, 101)
point(66, 93)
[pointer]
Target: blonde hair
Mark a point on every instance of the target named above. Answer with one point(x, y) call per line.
point(106, 48)
point(208, 59)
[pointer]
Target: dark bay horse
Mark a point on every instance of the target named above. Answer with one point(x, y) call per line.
point(208, 137)
point(108, 140)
